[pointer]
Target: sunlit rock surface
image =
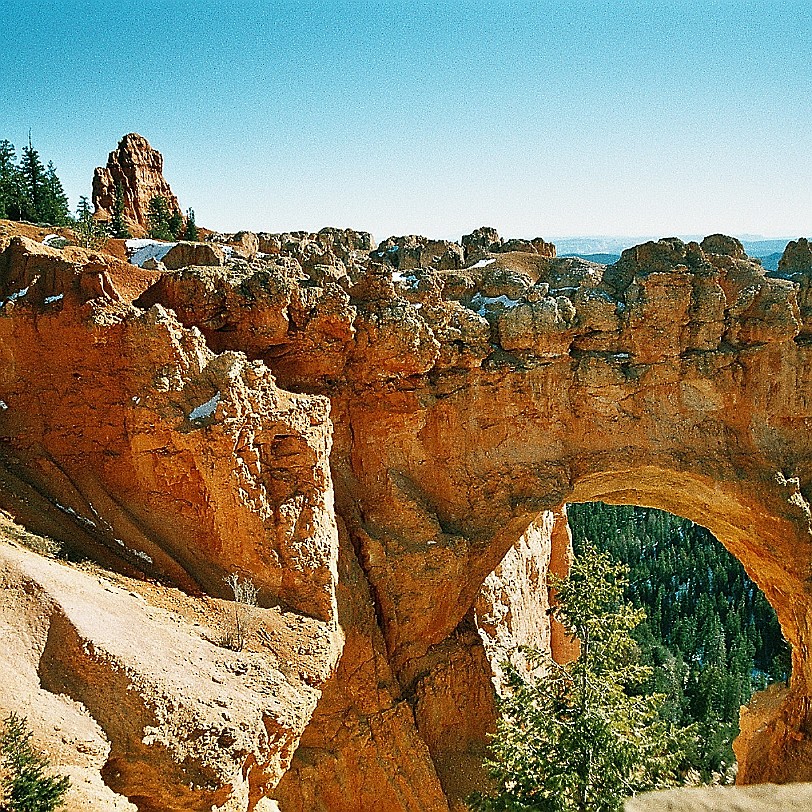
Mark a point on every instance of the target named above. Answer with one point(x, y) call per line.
point(462, 396)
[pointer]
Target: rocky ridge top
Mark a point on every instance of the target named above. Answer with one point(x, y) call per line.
point(383, 438)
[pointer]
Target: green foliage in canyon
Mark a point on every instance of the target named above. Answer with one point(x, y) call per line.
point(710, 636)
point(583, 736)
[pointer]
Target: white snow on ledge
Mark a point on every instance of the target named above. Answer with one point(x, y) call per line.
point(482, 303)
point(206, 409)
point(17, 295)
point(410, 280)
point(142, 250)
point(483, 263)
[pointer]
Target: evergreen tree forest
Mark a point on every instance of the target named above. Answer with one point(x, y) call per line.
point(29, 190)
point(582, 736)
point(709, 634)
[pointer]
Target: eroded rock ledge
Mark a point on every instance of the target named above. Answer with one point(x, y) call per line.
point(473, 390)
point(123, 436)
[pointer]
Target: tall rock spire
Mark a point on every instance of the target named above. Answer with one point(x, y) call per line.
point(139, 169)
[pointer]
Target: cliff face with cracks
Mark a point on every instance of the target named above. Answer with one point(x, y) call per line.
point(472, 393)
point(125, 438)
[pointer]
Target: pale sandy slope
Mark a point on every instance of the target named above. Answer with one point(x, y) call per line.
point(113, 672)
point(761, 798)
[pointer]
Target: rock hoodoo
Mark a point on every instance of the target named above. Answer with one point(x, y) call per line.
point(453, 402)
point(138, 168)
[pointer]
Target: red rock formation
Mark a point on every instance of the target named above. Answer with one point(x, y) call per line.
point(139, 169)
point(185, 254)
point(466, 402)
point(468, 406)
point(484, 241)
point(254, 494)
point(124, 437)
point(512, 608)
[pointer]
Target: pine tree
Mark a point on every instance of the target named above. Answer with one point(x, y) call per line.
point(175, 224)
point(583, 736)
point(54, 208)
point(26, 787)
point(191, 232)
point(29, 191)
point(10, 183)
point(118, 227)
point(158, 216)
point(34, 183)
point(90, 232)
point(704, 611)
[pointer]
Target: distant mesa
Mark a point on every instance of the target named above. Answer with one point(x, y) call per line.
point(138, 168)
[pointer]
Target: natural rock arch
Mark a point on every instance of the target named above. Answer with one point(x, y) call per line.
point(467, 405)
point(682, 383)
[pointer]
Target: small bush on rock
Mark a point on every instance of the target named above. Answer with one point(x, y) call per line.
point(245, 593)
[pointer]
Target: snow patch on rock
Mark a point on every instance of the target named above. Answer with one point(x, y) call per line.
point(481, 304)
point(483, 263)
point(206, 409)
point(141, 250)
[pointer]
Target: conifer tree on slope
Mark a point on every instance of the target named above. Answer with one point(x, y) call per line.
point(581, 737)
point(54, 208)
point(10, 182)
point(34, 183)
point(29, 191)
point(90, 232)
point(118, 227)
point(158, 215)
point(25, 785)
point(191, 232)
point(175, 224)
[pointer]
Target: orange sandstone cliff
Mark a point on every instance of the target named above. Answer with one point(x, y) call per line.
point(383, 440)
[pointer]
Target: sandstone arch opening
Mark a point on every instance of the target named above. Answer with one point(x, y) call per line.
point(710, 634)
point(764, 524)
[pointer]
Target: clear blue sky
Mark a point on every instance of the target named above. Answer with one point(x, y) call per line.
point(540, 118)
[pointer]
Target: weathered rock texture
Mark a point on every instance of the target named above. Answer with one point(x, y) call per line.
point(123, 436)
point(124, 680)
point(185, 254)
point(470, 401)
point(512, 608)
point(185, 464)
point(139, 169)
